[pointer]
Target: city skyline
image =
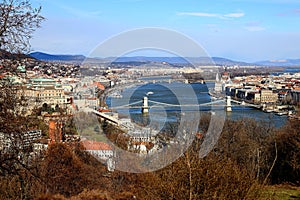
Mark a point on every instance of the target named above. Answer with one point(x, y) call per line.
point(241, 30)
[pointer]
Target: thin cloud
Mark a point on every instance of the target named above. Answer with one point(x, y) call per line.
point(198, 14)
point(216, 15)
point(235, 15)
point(79, 12)
point(83, 14)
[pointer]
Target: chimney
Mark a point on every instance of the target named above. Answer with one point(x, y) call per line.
point(55, 132)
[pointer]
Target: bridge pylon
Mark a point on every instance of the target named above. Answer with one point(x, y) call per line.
point(145, 107)
point(228, 104)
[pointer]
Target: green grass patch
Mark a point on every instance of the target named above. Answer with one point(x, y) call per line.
point(91, 134)
point(281, 192)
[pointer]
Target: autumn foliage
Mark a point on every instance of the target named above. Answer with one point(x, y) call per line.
point(247, 156)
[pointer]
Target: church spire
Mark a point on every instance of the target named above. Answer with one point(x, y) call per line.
point(217, 77)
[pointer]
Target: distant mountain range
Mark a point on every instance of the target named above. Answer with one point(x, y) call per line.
point(280, 63)
point(50, 57)
point(180, 60)
point(143, 59)
point(171, 60)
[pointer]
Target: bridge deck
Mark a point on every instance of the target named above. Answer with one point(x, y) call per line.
point(105, 116)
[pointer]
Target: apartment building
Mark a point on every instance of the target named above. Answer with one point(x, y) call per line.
point(268, 96)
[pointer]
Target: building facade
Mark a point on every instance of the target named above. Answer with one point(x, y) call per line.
point(268, 96)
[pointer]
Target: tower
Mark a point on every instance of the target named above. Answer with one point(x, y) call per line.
point(217, 77)
point(218, 84)
point(55, 131)
point(145, 107)
point(228, 104)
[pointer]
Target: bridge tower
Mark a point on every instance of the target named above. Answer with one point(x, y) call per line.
point(145, 107)
point(228, 104)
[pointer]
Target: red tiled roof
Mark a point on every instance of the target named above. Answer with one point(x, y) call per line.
point(91, 98)
point(297, 89)
point(94, 145)
point(73, 106)
point(99, 85)
point(282, 92)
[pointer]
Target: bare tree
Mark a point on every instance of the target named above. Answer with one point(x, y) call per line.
point(17, 163)
point(17, 168)
point(18, 22)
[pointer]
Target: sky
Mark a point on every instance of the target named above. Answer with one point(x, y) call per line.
point(244, 30)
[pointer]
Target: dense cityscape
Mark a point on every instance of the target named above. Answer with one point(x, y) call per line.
point(116, 124)
point(59, 92)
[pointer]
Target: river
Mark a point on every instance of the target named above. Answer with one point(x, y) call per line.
point(174, 94)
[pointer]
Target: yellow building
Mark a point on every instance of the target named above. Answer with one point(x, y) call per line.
point(268, 96)
point(41, 90)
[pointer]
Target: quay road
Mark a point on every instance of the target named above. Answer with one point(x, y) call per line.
point(123, 124)
point(246, 104)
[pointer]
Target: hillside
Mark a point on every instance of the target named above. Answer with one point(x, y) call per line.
point(171, 60)
point(49, 57)
point(139, 59)
point(7, 55)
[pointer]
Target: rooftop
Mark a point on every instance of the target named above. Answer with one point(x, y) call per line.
point(41, 80)
point(94, 145)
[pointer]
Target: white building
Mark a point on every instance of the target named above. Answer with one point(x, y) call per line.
point(100, 150)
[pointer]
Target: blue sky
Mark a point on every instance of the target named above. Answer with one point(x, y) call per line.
point(246, 30)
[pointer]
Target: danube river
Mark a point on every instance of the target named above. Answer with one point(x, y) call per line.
point(167, 100)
